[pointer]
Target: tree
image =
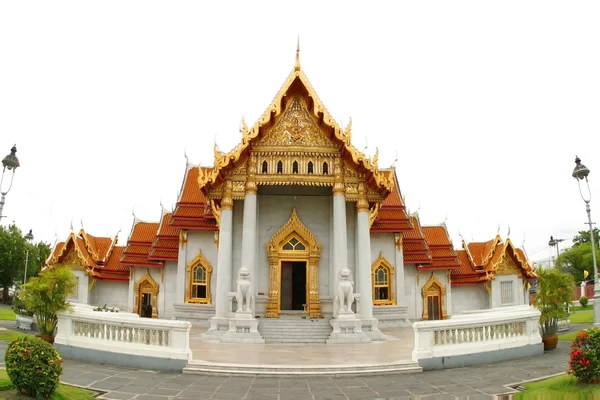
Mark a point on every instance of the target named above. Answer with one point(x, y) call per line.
point(578, 259)
point(12, 256)
point(38, 253)
point(584, 237)
point(13, 250)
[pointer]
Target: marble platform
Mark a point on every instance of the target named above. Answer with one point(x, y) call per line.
point(391, 355)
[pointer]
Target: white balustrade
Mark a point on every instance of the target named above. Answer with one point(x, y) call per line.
point(124, 334)
point(476, 333)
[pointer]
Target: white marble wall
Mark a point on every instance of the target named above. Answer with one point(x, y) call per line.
point(168, 290)
point(111, 293)
point(81, 294)
point(414, 289)
point(517, 291)
point(273, 211)
point(469, 297)
point(198, 241)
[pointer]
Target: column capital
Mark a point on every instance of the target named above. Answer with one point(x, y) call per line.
point(398, 240)
point(362, 204)
point(226, 199)
point(338, 186)
point(251, 178)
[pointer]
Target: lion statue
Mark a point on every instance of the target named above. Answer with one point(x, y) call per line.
point(244, 290)
point(345, 292)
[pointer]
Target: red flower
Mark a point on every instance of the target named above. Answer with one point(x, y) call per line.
point(29, 351)
point(38, 371)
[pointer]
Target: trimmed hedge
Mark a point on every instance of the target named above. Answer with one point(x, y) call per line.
point(33, 365)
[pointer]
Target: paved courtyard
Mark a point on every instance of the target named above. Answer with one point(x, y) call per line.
point(480, 382)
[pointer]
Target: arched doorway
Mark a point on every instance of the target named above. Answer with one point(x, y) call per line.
point(294, 254)
point(434, 300)
point(146, 297)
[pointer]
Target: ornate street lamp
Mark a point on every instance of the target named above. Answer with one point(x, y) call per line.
point(29, 238)
point(580, 173)
point(11, 163)
point(554, 242)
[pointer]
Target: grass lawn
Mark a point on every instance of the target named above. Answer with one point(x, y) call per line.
point(579, 308)
point(8, 335)
point(558, 387)
point(7, 392)
point(569, 336)
point(7, 314)
point(582, 317)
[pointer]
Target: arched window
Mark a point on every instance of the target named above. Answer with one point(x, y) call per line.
point(198, 290)
point(382, 274)
point(294, 245)
point(295, 167)
point(264, 167)
point(325, 169)
point(199, 282)
point(279, 167)
point(310, 167)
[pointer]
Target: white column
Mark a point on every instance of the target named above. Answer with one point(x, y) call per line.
point(399, 270)
point(225, 254)
point(363, 260)
point(340, 236)
point(248, 256)
point(181, 267)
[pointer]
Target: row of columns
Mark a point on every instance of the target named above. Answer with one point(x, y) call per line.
point(340, 244)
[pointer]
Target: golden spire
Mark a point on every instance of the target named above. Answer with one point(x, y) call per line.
point(297, 66)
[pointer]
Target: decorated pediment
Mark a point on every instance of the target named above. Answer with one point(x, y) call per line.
point(296, 124)
point(296, 127)
point(507, 266)
point(72, 259)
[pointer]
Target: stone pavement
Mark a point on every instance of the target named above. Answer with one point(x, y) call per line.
point(478, 382)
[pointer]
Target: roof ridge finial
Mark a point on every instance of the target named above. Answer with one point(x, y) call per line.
point(297, 65)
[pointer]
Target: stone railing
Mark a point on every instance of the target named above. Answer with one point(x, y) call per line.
point(123, 339)
point(477, 338)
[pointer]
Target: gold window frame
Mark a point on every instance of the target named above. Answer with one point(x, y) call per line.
point(199, 260)
point(434, 287)
point(383, 262)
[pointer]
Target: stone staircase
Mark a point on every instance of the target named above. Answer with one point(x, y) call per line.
point(294, 330)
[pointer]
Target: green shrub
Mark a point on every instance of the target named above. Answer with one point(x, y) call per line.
point(33, 366)
point(583, 301)
point(585, 358)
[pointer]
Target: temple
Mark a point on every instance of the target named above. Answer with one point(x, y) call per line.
point(296, 224)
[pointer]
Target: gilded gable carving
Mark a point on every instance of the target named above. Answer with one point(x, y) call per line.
point(73, 260)
point(508, 267)
point(296, 127)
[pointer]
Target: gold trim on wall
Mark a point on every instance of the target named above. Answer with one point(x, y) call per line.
point(198, 260)
point(311, 254)
point(434, 287)
point(381, 261)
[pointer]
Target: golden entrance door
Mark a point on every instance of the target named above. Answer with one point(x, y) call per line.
point(293, 285)
point(294, 254)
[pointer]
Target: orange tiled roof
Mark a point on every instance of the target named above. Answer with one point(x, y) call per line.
point(166, 243)
point(192, 209)
point(479, 261)
point(442, 252)
point(97, 254)
point(392, 215)
point(139, 246)
point(113, 270)
point(415, 249)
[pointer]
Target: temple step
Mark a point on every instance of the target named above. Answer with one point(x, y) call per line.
point(294, 330)
point(348, 369)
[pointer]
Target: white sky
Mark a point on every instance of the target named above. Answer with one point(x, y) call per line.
point(485, 103)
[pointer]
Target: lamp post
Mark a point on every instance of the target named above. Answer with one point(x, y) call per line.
point(554, 242)
point(29, 238)
point(581, 172)
point(10, 162)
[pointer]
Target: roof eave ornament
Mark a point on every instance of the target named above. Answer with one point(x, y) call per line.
point(297, 65)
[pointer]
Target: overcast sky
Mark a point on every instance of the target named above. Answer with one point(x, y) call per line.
point(485, 104)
